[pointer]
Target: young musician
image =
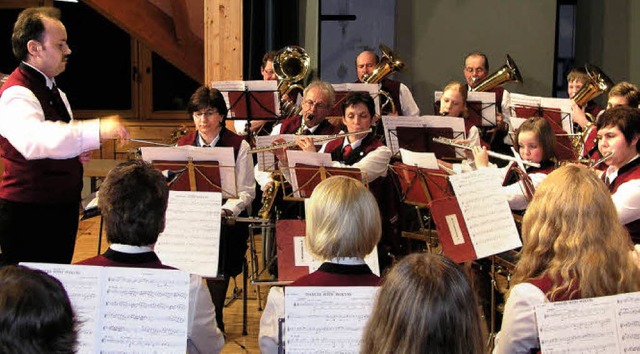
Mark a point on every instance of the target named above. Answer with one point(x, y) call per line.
point(342, 227)
point(573, 247)
point(618, 132)
point(133, 202)
point(576, 79)
point(536, 143)
point(425, 305)
point(209, 110)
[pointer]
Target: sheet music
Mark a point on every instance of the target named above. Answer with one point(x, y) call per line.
point(561, 104)
point(373, 90)
point(392, 123)
point(223, 155)
point(251, 85)
point(132, 309)
point(487, 102)
point(420, 159)
point(326, 319)
point(607, 324)
point(307, 158)
point(191, 238)
point(486, 211)
point(303, 257)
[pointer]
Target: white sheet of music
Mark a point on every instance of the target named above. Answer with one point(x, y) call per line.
point(486, 211)
point(326, 319)
point(392, 123)
point(126, 309)
point(223, 155)
point(191, 238)
point(306, 158)
point(419, 159)
point(607, 324)
point(303, 257)
point(563, 104)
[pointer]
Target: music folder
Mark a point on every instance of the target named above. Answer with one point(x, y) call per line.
point(421, 140)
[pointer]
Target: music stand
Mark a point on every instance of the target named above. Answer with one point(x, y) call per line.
point(481, 108)
point(343, 90)
point(305, 178)
point(421, 140)
point(391, 125)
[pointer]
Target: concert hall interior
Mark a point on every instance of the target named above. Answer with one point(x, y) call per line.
point(422, 101)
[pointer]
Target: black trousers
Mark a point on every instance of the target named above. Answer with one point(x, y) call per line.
point(37, 232)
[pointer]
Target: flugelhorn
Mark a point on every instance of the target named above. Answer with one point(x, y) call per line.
point(315, 140)
point(598, 84)
point(450, 142)
point(389, 63)
point(291, 65)
point(508, 72)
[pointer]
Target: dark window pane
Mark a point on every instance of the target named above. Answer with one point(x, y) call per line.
point(171, 87)
point(7, 61)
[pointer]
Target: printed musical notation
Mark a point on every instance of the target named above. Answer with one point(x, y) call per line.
point(126, 309)
point(326, 319)
point(191, 238)
point(607, 324)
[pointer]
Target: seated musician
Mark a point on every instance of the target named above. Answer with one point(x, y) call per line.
point(536, 143)
point(573, 247)
point(618, 132)
point(342, 227)
point(576, 79)
point(622, 94)
point(425, 305)
point(133, 201)
point(209, 110)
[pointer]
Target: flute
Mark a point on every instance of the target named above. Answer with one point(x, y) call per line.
point(316, 140)
point(450, 142)
point(602, 159)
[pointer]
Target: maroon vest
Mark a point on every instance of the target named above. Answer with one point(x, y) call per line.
point(43, 180)
point(393, 88)
point(369, 143)
point(331, 274)
point(292, 124)
point(113, 258)
point(628, 173)
point(545, 284)
point(227, 139)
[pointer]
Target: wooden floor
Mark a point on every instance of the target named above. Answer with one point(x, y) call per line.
point(87, 246)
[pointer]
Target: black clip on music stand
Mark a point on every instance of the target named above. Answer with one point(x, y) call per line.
point(253, 105)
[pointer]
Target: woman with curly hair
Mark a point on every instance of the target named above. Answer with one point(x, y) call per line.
point(573, 247)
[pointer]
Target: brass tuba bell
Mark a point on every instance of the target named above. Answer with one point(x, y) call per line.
point(291, 65)
point(389, 63)
point(598, 84)
point(508, 72)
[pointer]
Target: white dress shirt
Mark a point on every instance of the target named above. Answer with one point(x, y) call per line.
point(627, 196)
point(375, 163)
point(407, 103)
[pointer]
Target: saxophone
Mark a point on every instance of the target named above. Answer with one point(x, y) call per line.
point(269, 197)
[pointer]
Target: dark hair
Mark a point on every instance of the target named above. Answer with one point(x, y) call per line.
point(133, 201)
point(354, 98)
point(425, 305)
point(36, 315)
point(29, 26)
point(543, 131)
point(625, 118)
point(206, 97)
point(268, 56)
point(477, 54)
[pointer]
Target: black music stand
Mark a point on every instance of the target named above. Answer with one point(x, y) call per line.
point(564, 148)
point(421, 140)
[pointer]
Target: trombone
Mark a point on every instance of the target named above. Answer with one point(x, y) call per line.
point(315, 140)
point(450, 142)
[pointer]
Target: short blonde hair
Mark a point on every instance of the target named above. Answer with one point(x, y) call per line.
point(462, 90)
point(343, 219)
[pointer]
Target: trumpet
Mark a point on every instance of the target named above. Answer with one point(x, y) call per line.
point(450, 142)
point(316, 140)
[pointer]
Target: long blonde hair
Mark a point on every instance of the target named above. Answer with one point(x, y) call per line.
point(571, 233)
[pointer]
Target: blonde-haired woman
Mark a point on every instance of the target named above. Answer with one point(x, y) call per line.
point(573, 247)
point(342, 227)
point(425, 305)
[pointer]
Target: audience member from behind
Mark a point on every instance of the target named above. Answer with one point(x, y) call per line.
point(35, 313)
point(573, 247)
point(342, 227)
point(133, 200)
point(425, 305)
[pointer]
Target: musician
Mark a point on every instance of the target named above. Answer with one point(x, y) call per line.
point(133, 201)
point(622, 94)
point(619, 131)
point(536, 143)
point(366, 63)
point(576, 79)
point(342, 227)
point(573, 247)
point(425, 305)
point(476, 70)
point(209, 110)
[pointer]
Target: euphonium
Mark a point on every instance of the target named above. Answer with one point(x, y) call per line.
point(508, 72)
point(598, 84)
point(389, 63)
point(291, 65)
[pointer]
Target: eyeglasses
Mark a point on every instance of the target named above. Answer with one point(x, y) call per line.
point(310, 105)
point(207, 113)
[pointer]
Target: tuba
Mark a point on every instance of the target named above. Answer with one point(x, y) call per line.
point(389, 63)
point(291, 65)
point(508, 72)
point(598, 84)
